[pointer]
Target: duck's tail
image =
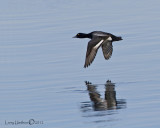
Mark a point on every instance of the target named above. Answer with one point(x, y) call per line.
point(116, 38)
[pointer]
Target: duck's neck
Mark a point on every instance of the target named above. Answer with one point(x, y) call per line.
point(84, 35)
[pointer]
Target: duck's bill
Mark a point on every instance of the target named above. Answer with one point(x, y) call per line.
point(74, 37)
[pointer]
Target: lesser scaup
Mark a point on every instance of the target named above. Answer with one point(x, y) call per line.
point(98, 39)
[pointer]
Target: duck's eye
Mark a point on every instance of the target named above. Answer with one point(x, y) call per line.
point(77, 34)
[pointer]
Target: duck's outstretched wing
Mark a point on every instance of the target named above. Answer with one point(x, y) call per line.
point(92, 48)
point(107, 49)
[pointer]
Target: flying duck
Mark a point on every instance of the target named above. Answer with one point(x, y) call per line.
point(98, 39)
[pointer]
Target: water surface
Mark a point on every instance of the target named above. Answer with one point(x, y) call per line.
point(42, 75)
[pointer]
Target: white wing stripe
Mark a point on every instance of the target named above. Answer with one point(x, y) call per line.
point(97, 45)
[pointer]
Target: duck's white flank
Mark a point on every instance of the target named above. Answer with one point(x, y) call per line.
point(109, 39)
point(97, 45)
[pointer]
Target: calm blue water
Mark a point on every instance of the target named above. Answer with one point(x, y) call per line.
point(42, 79)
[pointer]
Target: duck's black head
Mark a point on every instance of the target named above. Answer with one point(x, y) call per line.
point(82, 35)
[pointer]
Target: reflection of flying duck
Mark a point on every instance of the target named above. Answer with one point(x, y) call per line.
point(110, 96)
point(109, 102)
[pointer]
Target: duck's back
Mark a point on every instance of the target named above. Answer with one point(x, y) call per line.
point(105, 34)
point(100, 33)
